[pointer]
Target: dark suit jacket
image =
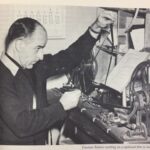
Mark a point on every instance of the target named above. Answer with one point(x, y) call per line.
point(19, 123)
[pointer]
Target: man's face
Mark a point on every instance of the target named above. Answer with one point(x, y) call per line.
point(32, 50)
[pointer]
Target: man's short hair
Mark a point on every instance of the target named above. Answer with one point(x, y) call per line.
point(21, 27)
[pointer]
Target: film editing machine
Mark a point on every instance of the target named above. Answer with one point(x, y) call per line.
point(101, 118)
point(107, 115)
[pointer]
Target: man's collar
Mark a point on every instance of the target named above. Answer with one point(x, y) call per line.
point(9, 64)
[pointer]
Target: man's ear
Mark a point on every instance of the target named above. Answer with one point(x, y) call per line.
point(19, 44)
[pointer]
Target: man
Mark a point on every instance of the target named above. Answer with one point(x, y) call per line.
point(25, 115)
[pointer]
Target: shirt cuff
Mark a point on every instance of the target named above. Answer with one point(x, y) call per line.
point(93, 33)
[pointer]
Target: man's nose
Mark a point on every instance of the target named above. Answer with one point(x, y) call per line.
point(40, 55)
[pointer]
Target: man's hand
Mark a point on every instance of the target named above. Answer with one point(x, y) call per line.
point(106, 18)
point(103, 21)
point(70, 99)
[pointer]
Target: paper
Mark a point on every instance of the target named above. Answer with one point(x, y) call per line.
point(121, 74)
point(138, 41)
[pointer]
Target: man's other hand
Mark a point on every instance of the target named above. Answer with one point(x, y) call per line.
point(70, 99)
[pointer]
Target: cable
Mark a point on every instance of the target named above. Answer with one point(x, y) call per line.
point(61, 132)
point(51, 137)
point(106, 35)
point(112, 37)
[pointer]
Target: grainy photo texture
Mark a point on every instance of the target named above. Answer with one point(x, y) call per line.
point(74, 75)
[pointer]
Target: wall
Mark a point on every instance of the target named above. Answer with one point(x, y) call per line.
point(77, 21)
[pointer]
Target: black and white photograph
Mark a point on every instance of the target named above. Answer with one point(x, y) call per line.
point(74, 75)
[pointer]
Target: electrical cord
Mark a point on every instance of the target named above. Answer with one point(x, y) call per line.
point(112, 37)
point(61, 131)
point(51, 137)
point(106, 35)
